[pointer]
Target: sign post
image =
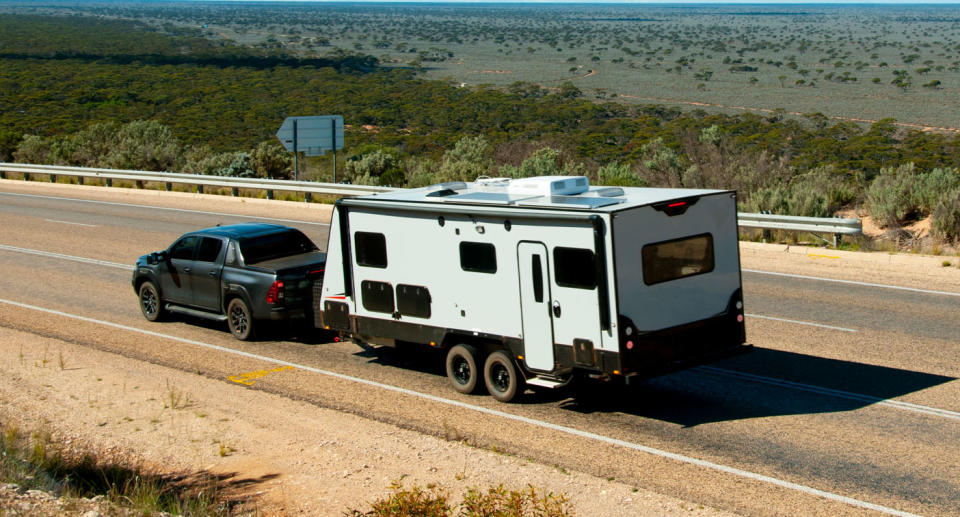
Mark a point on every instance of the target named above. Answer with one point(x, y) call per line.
point(312, 135)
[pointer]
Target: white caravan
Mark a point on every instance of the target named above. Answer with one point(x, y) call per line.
point(531, 281)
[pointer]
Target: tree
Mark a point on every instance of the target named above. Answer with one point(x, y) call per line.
point(543, 162)
point(616, 174)
point(377, 167)
point(91, 146)
point(8, 144)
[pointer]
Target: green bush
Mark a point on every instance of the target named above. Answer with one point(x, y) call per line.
point(890, 196)
point(432, 501)
point(945, 224)
point(931, 187)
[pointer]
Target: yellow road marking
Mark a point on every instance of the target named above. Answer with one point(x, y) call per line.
point(250, 377)
point(811, 255)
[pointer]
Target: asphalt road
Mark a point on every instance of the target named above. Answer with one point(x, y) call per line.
point(868, 409)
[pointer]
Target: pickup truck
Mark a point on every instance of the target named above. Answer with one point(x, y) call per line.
point(241, 273)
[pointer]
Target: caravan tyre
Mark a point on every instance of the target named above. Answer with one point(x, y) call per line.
point(501, 376)
point(462, 368)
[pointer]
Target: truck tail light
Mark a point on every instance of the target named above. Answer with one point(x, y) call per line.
point(275, 293)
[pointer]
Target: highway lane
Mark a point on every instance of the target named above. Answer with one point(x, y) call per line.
point(878, 454)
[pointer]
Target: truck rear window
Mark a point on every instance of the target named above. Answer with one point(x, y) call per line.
point(274, 246)
point(678, 258)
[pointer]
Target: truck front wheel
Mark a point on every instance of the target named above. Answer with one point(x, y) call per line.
point(462, 368)
point(501, 377)
point(150, 303)
point(240, 320)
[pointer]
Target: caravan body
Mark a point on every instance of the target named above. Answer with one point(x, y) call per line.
point(533, 280)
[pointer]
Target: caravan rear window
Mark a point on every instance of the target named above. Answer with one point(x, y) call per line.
point(678, 258)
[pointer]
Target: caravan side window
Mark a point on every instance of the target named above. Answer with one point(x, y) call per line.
point(679, 258)
point(371, 249)
point(575, 267)
point(479, 257)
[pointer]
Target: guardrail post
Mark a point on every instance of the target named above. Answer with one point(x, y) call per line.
point(836, 240)
point(53, 178)
point(235, 191)
point(169, 186)
point(269, 194)
point(199, 189)
point(79, 180)
point(3, 175)
point(307, 197)
point(109, 182)
point(26, 176)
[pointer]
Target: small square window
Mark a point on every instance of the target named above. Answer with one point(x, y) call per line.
point(478, 257)
point(371, 249)
point(575, 267)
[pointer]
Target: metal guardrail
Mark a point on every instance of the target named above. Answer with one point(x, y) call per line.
point(199, 180)
point(814, 225)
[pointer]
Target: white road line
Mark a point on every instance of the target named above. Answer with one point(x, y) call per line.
point(906, 406)
point(798, 322)
point(61, 256)
point(501, 414)
point(852, 282)
point(112, 203)
point(71, 222)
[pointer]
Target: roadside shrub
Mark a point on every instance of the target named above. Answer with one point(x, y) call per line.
point(945, 224)
point(818, 193)
point(890, 196)
point(931, 187)
point(501, 502)
point(34, 149)
point(495, 502)
point(417, 501)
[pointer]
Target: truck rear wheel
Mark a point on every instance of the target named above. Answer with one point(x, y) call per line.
point(240, 320)
point(501, 376)
point(462, 368)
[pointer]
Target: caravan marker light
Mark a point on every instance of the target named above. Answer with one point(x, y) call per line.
point(739, 318)
point(677, 204)
point(629, 345)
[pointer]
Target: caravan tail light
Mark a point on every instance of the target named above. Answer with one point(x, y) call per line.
point(275, 293)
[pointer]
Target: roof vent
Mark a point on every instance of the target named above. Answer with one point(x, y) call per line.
point(549, 185)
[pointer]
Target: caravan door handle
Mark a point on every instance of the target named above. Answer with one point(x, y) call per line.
point(556, 309)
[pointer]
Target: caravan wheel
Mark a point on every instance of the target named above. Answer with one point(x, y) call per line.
point(502, 377)
point(462, 368)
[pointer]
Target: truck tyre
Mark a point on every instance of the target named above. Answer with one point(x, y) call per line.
point(150, 303)
point(239, 319)
point(501, 376)
point(462, 368)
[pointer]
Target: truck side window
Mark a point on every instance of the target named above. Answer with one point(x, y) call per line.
point(371, 249)
point(183, 249)
point(377, 296)
point(209, 249)
point(413, 300)
point(479, 257)
point(575, 267)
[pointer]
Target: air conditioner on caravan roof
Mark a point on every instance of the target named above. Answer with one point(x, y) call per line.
point(549, 186)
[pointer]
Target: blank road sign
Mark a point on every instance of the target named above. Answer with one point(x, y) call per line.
point(314, 135)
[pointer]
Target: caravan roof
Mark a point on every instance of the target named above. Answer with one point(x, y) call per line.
point(542, 192)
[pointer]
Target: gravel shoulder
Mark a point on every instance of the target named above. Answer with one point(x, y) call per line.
point(289, 457)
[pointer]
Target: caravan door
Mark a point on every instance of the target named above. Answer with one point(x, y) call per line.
point(535, 306)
